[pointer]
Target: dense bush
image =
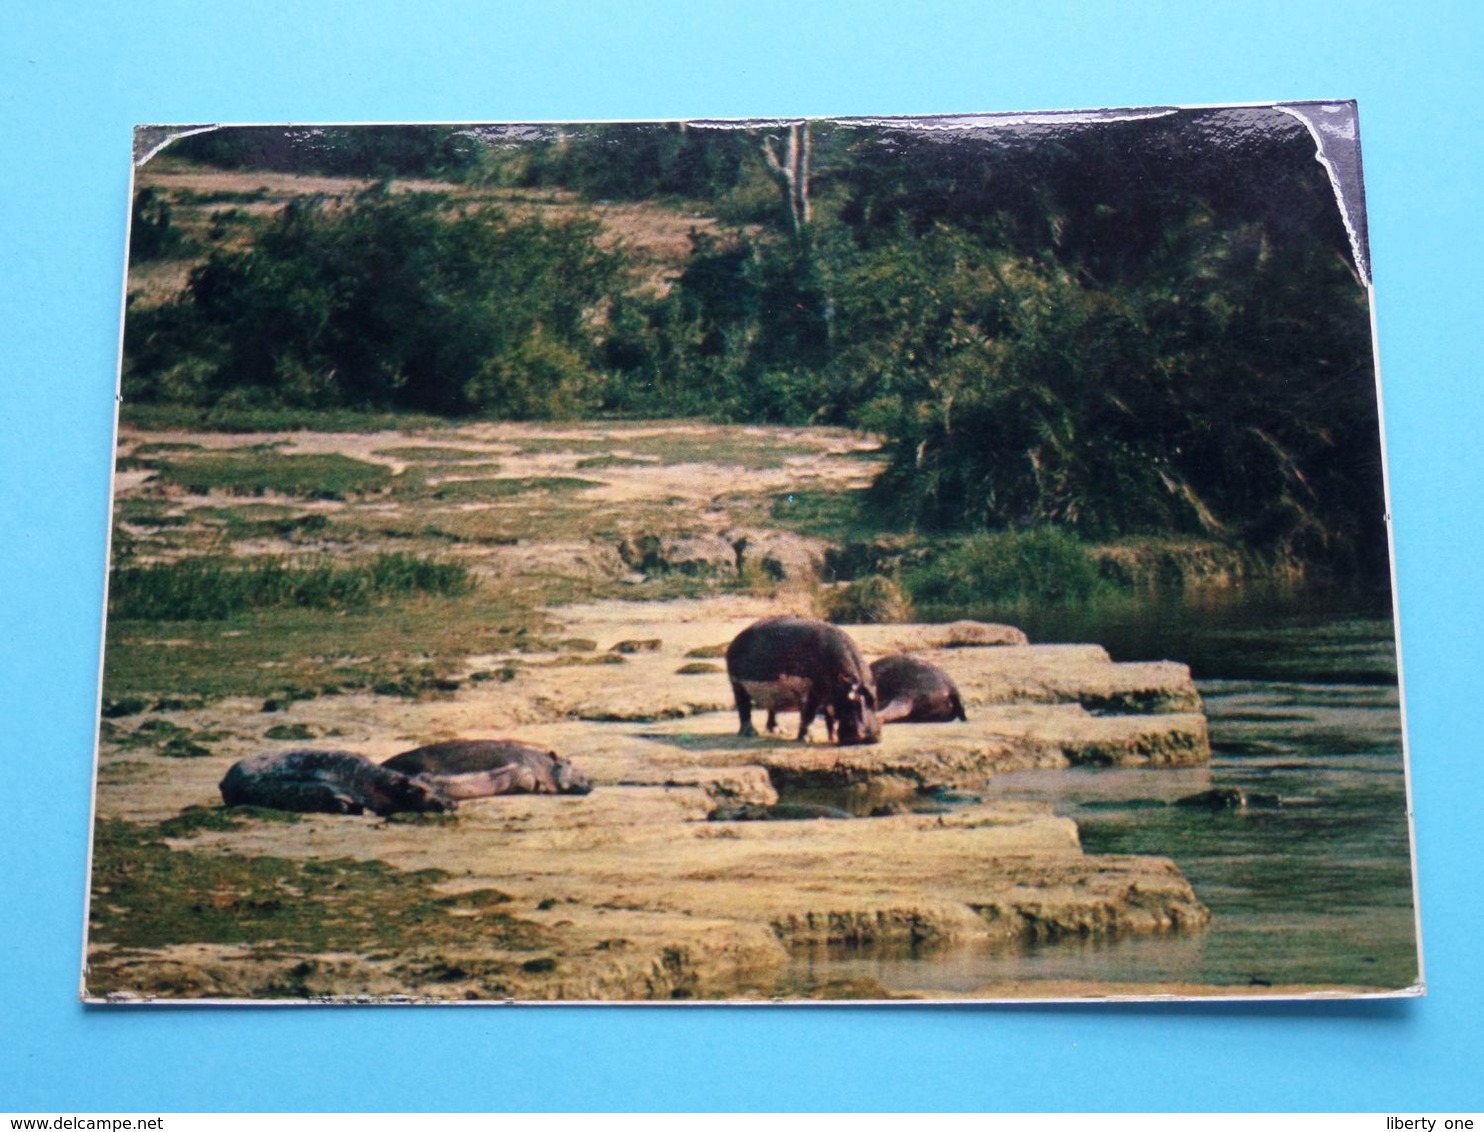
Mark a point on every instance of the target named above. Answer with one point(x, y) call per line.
point(152, 235)
point(1047, 567)
point(355, 151)
point(876, 600)
point(391, 302)
point(639, 160)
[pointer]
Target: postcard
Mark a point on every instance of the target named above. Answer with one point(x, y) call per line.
point(938, 558)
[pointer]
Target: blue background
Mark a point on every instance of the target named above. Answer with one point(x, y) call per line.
point(75, 78)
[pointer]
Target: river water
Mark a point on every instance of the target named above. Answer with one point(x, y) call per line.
point(1303, 703)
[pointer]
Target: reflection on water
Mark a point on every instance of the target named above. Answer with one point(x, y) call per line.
point(1303, 704)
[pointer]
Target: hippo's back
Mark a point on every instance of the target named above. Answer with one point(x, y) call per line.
point(782, 647)
point(469, 756)
point(911, 689)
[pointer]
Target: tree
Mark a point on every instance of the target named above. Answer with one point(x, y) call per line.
point(791, 171)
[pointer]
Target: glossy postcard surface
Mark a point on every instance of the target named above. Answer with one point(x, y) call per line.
point(894, 559)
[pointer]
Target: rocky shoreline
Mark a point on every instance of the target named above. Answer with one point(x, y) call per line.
point(636, 892)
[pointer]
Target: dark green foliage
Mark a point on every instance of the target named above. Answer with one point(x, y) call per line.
point(225, 418)
point(205, 589)
point(286, 731)
point(1118, 328)
point(468, 491)
point(824, 514)
point(1046, 567)
point(388, 303)
point(124, 705)
point(196, 819)
point(633, 162)
point(356, 151)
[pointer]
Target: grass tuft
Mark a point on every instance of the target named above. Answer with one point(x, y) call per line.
point(214, 588)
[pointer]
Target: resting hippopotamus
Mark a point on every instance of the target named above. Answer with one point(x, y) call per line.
point(480, 768)
point(792, 663)
point(328, 782)
point(913, 691)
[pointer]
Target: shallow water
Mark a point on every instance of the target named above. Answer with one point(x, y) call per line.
point(1302, 703)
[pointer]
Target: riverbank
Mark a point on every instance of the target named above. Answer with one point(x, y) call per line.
point(608, 565)
point(631, 891)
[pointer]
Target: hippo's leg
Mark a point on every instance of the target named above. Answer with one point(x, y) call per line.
point(958, 707)
point(744, 709)
point(807, 713)
point(311, 798)
point(483, 783)
point(322, 798)
point(899, 708)
point(526, 782)
point(772, 721)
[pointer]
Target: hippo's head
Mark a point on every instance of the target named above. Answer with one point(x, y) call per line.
point(854, 705)
point(568, 779)
point(396, 792)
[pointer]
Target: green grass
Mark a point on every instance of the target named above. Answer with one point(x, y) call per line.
point(476, 491)
point(692, 443)
point(824, 514)
point(560, 515)
point(434, 454)
point(147, 895)
point(147, 513)
point(162, 737)
point(730, 447)
point(412, 646)
point(190, 197)
point(870, 601)
point(612, 462)
point(165, 446)
point(250, 472)
point(213, 588)
point(263, 520)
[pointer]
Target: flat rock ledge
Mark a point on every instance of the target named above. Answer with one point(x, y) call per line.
point(637, 892)
point(641, 897)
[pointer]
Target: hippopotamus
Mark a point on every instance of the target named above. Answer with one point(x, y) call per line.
point(911, 690)
point(328, 782)
point(480, 768)
point(793, 663)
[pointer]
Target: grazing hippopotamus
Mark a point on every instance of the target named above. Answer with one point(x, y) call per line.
point(913, 691)
point(328, 782)
point(480, 768)
point(793, 663)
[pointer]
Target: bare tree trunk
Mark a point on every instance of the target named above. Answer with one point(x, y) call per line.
point(792, 173)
